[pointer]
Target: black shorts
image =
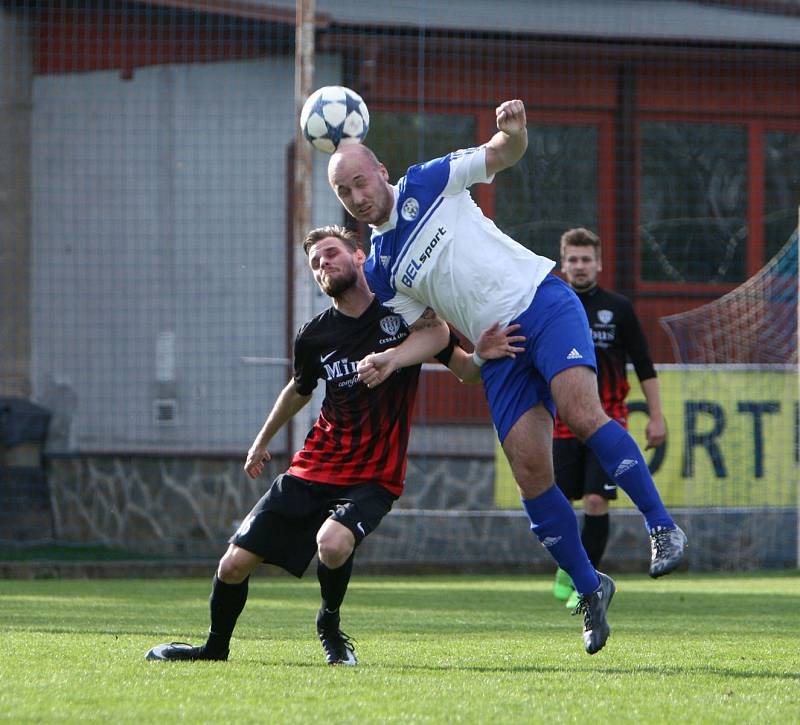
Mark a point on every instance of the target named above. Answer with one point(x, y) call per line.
point(282, 527)
point(578, 471)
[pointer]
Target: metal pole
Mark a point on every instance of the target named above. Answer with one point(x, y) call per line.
point(16, 260)
point(302, 192)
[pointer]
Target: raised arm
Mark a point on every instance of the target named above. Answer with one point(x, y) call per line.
point(429, 335)
point(508, 145)
point(288, 403)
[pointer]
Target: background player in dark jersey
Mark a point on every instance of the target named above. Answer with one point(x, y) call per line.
point(352, 466)
point(617, 337)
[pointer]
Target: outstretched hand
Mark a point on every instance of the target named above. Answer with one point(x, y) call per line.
point(511, 117)
point(496, 343)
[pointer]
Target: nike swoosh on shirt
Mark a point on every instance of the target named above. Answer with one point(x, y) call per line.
point(323, 358)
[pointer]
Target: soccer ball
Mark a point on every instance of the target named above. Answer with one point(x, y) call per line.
point(334, 115)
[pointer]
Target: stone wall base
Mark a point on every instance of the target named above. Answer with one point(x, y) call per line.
point(174, 516)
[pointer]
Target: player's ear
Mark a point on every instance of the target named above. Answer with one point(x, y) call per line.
point(383, 172)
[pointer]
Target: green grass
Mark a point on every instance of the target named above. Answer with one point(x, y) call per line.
point(469, 649)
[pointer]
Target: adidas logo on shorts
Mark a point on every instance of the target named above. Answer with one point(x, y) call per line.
point(574, 355)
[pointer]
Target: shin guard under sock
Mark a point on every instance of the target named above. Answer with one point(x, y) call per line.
point(226, 604)
point(333, 584)
point(553, 521)
point(594, 537)
point(624, 463)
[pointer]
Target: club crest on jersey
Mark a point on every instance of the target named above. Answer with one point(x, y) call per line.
point(410, 209)
point(385, 261)
point(605, 316)
point(391, 325)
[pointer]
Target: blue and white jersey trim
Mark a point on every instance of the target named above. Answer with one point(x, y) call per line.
point(438, 250)
point(410, 241)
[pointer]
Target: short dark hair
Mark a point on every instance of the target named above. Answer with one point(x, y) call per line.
point(350, 239)
point(580, 237)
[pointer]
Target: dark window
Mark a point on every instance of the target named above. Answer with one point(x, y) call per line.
point(552, 188)
point(693, 202)
point(781, 189)
point(401, 140)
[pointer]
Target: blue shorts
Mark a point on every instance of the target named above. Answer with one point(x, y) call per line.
point(557, 337)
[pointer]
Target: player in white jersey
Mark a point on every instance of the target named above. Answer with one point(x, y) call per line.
point(432, 247)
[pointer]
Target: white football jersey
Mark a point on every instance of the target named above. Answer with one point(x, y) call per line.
point(438, 250)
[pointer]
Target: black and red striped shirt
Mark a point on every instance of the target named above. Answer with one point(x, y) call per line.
point(361, 434)
point(617, 336)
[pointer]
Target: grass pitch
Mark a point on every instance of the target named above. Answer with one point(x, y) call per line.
point(469, 649)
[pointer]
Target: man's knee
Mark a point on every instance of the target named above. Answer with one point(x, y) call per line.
point(335, 543)
point(578, 402)
point(532, 475)
point(528, 447)
point(595, 505)
point(236, 565)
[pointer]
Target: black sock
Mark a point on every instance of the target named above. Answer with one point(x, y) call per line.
point(226, 603)
point(594, 537)
point(333, 586)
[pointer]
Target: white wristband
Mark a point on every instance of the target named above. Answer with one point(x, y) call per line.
point(477, 359)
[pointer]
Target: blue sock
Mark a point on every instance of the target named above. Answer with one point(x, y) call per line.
point(624, 463)
point(554, 523)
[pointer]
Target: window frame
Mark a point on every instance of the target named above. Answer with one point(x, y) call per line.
point(758, 191)
point(604, 122)
point(755, 128)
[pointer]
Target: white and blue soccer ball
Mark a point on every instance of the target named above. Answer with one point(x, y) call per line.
point(334, 115)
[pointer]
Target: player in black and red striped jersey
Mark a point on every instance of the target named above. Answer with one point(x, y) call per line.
point(352, 466)
point(617, 337)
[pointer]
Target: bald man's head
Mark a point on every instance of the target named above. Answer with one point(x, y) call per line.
point(352, 153)
point(361, 183)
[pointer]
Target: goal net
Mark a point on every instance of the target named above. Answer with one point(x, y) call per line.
point(737, 357)
point(754, 324)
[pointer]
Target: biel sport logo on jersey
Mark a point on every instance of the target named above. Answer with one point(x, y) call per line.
point(423, 254)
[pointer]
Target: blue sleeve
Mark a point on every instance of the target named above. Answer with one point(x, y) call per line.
point(433, 175)
point(378, 279)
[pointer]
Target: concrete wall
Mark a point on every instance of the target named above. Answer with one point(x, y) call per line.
point(159, 246)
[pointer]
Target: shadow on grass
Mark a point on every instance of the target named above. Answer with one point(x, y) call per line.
point(541, 669)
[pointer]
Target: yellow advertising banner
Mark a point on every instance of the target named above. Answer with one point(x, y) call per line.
point(732, 439)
